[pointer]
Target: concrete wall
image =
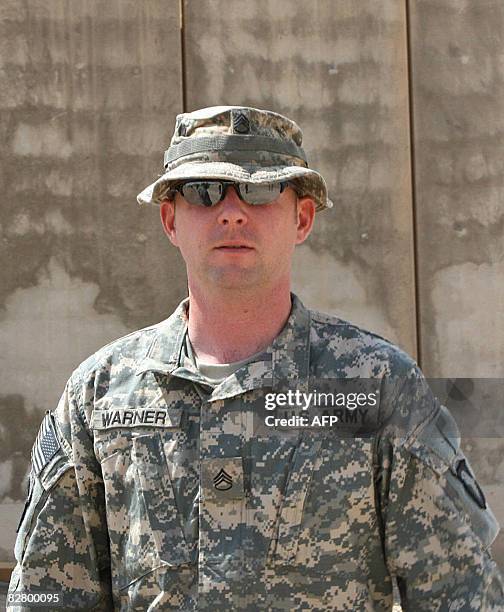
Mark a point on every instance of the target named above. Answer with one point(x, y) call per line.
point(458, 86)
point(89, 92)
point(88, 98)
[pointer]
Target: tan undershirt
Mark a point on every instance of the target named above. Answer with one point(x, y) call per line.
point(215, 373)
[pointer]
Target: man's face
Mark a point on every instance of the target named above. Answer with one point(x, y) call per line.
point(235, 245)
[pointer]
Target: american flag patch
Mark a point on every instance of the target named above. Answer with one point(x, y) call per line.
point(45, 445)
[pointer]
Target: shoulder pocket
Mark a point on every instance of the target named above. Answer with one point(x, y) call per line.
point(438, 446)
point(39, 491)
point(48, 463)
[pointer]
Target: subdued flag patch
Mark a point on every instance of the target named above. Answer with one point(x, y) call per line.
point(45, 445)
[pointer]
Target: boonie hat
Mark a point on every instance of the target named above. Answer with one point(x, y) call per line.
point(237, 143)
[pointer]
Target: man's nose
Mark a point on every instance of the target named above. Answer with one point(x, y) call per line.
point(232, 210)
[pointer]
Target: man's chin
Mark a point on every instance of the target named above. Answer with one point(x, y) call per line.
point(235, 277)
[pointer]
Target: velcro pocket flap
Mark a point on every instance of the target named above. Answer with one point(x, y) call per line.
point(438, 446)
point(162, 513)
point(291, 511)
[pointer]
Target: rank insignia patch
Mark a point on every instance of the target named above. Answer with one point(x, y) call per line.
point(223, 481)
point(241, 124)
point(45, 445)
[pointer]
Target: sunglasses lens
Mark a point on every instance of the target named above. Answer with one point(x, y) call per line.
point(260, 194)
point(209, 193)
point(202, 193)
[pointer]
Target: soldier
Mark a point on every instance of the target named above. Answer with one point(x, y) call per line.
point(167, 478)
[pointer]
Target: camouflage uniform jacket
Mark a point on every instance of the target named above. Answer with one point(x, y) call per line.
point(150, 491)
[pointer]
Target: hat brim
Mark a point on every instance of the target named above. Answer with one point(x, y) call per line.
point(309, 181)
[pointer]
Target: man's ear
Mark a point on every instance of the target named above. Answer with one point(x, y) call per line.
point(167, 212)
point(305, 217)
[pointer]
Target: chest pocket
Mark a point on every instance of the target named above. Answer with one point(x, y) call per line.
point(157, 504)
point(327, 514)
point(145, 524)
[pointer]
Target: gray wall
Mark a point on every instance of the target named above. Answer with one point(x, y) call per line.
point(457, 80)
point(401, 110)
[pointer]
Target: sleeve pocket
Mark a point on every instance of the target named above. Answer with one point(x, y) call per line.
point(37, 496)
point(48, 463)
point(438, 446)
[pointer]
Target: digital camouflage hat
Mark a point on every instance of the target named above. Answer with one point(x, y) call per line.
point(237, 143)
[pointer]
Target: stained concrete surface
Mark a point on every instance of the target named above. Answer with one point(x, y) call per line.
point(88, 99)
point(458, 87)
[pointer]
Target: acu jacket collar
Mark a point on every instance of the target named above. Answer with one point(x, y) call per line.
point(285, 361)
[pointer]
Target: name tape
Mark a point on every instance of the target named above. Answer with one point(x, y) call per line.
point(139, 417)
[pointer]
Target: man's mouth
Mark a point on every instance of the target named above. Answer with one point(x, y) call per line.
point(234, 247)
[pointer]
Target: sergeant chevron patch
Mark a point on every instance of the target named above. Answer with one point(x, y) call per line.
point(223, 480)
point(45, 445)
point(241, 124)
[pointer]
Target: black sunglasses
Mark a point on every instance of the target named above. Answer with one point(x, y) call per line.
point(211, 192)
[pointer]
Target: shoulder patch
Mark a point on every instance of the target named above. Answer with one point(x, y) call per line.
point(46, 445)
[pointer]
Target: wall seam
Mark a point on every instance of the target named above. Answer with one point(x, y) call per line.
point(183, 55)
point(411, 113)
